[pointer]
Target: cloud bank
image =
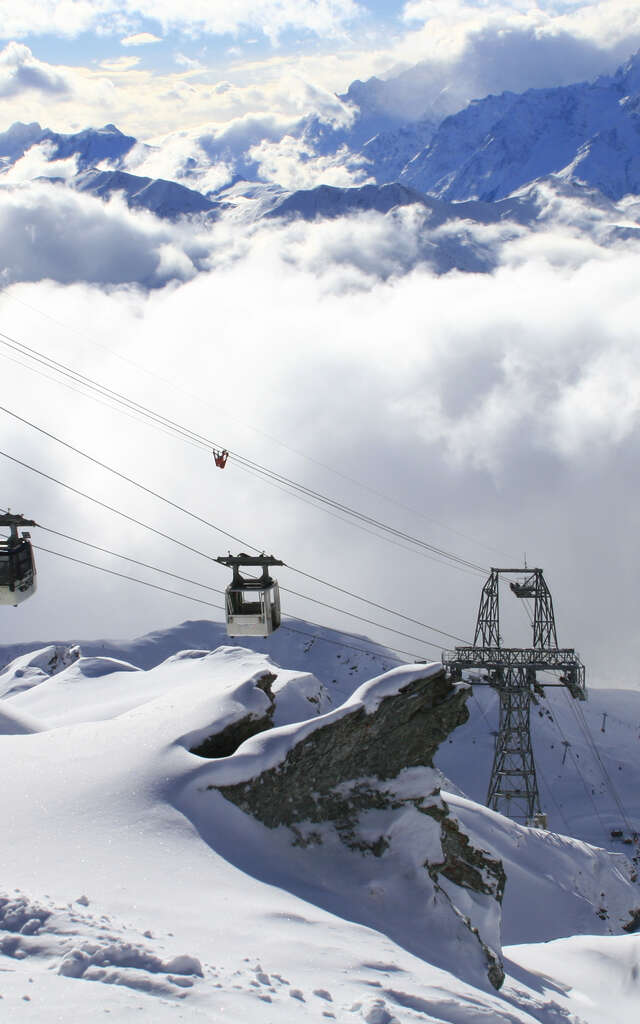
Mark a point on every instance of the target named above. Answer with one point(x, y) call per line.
point(51, 231)
point(109, 16)
point(504, 406)
point(21, 71)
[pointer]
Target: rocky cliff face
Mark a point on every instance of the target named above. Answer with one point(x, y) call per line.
point(356, 792)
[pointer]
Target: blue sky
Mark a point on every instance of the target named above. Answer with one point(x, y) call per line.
point(152, 66)
point(369, 19)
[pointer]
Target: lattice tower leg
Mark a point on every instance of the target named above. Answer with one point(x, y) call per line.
point(513, 788)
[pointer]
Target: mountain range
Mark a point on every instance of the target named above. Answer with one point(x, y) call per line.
point(586, 134)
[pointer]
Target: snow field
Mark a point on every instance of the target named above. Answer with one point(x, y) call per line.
point(122, 869)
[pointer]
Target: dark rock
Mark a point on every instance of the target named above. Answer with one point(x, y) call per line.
point(373, 765)
point(227, 741)
point(405, 731)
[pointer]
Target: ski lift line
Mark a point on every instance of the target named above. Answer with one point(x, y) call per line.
point(167, 432)
point(370, 520)
point(104, 400)
point(307, 501)
point(104, 391)
point(382, 608)
point(128, 479)
point(186, 433)
point(188, 547)
point(249, 465)
point(219, 607)
point(579, 772)
point(203, 521)
point(133, 579)
point(361, 618)
point(109, 403)
point(584, 727)
point(372, 533)
point(109, 508)
point(271, 437)
point(184, 579)
point(134, 561)
point(205, 586)
point(557, 806)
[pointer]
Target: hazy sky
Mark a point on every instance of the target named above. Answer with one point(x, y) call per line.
point(156, 65)
point(503, 408)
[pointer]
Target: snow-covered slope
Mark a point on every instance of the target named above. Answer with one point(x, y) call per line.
point(587, 774)
point(339, 663)
point(588, 131)
point(125, 870)
point(90, 146)
point(577, 789)
point(164, 198)
point(328, 201)
point(388, 152)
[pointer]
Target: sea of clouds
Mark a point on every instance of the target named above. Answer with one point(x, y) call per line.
point(502, 407)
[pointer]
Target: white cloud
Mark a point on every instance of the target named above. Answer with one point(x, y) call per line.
point(466, 50)
point(20, 71)
point(505, 405)
point(208, 157)
point(180, 157)
point(140, 39)
point(322, 17)
point(189, 63)
point(587, 29)
point(39, 161)
point(51, 231)
point(292, 164)
point(120, 63)
point(146, 104)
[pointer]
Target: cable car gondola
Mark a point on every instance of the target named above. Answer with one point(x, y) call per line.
point(17, 565)
point(252, 606)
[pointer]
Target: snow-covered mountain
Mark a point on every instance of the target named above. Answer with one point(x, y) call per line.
point(217, 834)
point(164, 198)
point(318, 650)
point(90, 146)
point(589, 132)
point(576, 789)
point(586, 133)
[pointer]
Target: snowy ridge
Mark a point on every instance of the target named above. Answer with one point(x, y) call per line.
point(90, 146)
point(587, 133)
point(164, 198)
point(269, 749)
point(341, 664)
point(124, 805)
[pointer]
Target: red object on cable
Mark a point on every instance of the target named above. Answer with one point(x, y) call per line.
point(221, 458)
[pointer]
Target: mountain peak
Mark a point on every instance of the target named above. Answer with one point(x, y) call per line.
point(628, 74)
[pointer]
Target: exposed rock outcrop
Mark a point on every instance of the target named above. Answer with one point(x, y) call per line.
point(227, 740)
point(360, 781)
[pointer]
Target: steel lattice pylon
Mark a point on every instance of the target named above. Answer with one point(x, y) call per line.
point(513, 787)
